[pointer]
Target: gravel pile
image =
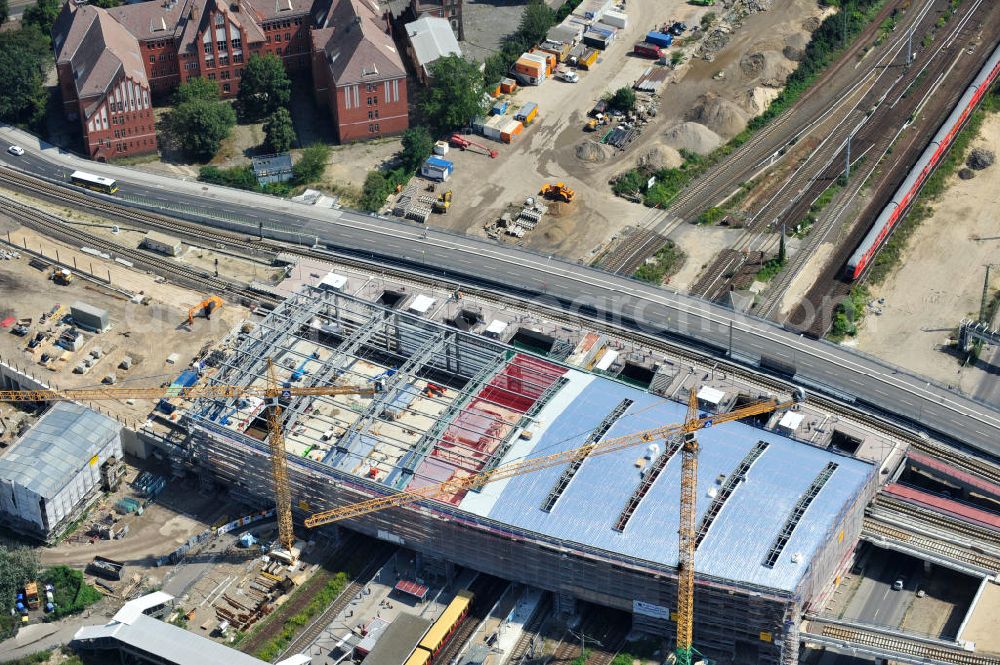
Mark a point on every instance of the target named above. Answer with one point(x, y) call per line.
point(980, 158)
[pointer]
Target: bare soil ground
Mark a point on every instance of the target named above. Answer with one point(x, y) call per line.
point(940, 278)
point(982, 626)
point(711, 108)
point(147, 333)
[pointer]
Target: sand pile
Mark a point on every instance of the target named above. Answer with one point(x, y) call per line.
point(692, 136)
point(660, 157)
point(756, 100)
point(720, 115)
point(591, 151)
point(767, 66)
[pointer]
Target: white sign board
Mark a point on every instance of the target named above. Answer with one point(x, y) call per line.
point(650, 610)
point(651, 182)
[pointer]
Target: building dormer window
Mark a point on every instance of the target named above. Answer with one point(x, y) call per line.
point(219, 20)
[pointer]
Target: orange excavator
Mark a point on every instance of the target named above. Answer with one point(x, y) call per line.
point(208, 305)
point(557, 192)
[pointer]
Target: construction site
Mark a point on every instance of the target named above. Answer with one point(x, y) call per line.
point(449, 404)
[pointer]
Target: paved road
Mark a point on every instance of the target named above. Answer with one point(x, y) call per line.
point(551, 282)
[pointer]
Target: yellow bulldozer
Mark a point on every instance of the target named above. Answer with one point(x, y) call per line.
point(557, 192)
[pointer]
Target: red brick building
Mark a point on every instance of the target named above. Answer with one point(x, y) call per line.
point(358, 73)
point(107, 58)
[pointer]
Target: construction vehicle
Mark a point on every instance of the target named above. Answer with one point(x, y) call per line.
point(61, 276)
point(442, 203)
point(31, 595)
point(590, 125)
point(462, 143)
point(557, 192)
point(208, 305)
point(682, 436)
point(272, 392)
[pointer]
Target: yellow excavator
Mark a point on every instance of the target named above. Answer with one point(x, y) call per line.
point(442, 203)
point(208, 305)
point(557, 192)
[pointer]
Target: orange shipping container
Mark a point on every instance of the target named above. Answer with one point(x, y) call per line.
point(510, 130)
point(508, 86)
point(550, 59)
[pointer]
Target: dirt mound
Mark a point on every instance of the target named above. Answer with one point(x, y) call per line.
point(812, 24)
point(980, 158)
point(692, 136)
point(720, 115)
point(591, 151)
point(966, 174)
point(770, 65)
point(797, 40)
point(756, 100)
point(660, 157)
point(752, 65)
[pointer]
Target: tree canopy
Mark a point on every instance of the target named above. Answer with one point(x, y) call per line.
point(455, 94)
point(4, 11)
point(24, 59)
point(264, 87)
point(17, 566)
point(535, 22)
point(279, 132)
point(417, 146)
point(199, 121)
point(42, 15)
point(623, 99)
point(196, 88)
point(311, 163)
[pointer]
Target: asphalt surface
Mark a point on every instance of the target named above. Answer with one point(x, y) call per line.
point(545, 281)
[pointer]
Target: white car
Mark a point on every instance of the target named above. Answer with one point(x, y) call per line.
point(16, 150)
point(569, 77)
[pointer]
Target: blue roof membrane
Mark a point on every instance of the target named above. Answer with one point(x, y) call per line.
point(740, 536)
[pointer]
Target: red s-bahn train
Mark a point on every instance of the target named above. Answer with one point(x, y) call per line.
point(929, 160)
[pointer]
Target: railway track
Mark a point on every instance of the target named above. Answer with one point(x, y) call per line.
point(522, 649)
point(944, 81)
point(877, 530)
point(360, 553)
point(872, 119)
point(603, 630)
point(374, 557)
point(885, 507)
point(763, 147)
point(884, 424)
point(487, 590)
point(175, 271)
point(924, 650)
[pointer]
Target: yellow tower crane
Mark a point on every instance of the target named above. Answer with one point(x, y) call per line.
point(688, 501)
point(271, 392)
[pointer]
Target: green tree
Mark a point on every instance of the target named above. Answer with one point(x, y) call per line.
point(4, 11)
point(200, 125)
point(17, 566)
point(107, 4)
point(196, 88)
point(417, 146)
point(374, 191)
point(623, 99)
point(536, 21)
point(279, 133)
point(264, 87)
point(455, 94)
point(42, 15)
point(24, 59)
point(311, 163)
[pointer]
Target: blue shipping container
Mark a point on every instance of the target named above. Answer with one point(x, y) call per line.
point(500, 108)
point(660, 39)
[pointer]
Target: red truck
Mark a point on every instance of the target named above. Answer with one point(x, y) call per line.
point(648, 50)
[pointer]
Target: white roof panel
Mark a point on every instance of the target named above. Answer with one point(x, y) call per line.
point(710, 395)
point(421, 304)
point(791, 420)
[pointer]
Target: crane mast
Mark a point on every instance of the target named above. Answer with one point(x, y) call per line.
point(686, 537)
point(279, 464)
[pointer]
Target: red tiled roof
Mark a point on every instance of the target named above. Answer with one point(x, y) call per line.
point(359, 49)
